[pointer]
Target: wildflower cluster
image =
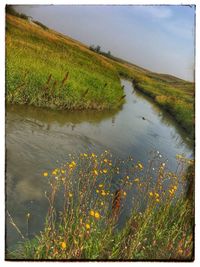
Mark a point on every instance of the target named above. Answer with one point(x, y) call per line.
point(92, 191)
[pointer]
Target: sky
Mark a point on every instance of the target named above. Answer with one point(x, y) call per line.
point(158, 38)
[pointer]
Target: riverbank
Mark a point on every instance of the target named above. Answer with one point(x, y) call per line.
point(174, 95)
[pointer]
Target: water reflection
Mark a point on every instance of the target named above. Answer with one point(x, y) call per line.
point(39, 116)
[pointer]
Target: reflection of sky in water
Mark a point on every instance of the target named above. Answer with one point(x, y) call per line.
point(39, 140)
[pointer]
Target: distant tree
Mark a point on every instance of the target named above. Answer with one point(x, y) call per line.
point(98, 49)
point(40, 24)
point(10, 10)
point(95, 48)
point(92, 47)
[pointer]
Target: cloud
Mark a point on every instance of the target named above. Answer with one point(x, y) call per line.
point(155, 12)
point(181, 28)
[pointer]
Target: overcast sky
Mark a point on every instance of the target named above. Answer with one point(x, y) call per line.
point(159, 38)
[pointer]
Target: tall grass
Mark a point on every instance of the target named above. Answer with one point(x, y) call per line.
point(87, 197)
point(38, 61)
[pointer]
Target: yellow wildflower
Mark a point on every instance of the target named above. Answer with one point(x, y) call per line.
point(140, 165)
point(157, 200)
point(171, 191)
point(85, 155)
point(70, 195)
point(100, 185)
point(125, 193)
point(97, 215)
point(105, 160)
point(180, 251)
point(110, 164)
point(105, 171)
point(95, 172)
point(136, 180)
point(62, 171)
point(45, 174)
point(87, 226)
point(72, 164)
point(175, 187)
point(103, 193)
point(93, 155)
point(54, 172)
point(151, 194)
point(102, 203)
point(156, 195)
point(97, 190)
point(92, 213)
point(63, 245)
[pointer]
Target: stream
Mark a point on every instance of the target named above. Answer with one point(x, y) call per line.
point(39, 140)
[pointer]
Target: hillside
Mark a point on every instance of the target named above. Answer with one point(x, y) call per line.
point(45, 68)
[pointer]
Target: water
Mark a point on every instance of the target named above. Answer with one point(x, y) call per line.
point(39, 140)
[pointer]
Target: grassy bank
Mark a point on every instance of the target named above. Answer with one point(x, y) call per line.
point(45, 68)
point(172, 94)
point(85, 209)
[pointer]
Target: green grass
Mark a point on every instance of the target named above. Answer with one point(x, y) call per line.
point(44, 68)
point(84, 207)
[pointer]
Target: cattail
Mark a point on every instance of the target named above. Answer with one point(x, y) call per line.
point(65, 78)
point(27, 218)
point(85, 93)
point(116, 204)
point(54, 84)
point(49, 78)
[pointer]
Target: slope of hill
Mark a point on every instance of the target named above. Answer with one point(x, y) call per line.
point(44, 68)
point(48, 69)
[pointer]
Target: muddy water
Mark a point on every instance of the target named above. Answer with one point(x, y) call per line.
point(39, 140)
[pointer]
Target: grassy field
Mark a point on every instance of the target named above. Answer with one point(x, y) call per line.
point(45, 68)
point(85, 223)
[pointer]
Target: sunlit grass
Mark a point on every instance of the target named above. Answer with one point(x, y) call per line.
point(44, 68)
point(87, 197)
